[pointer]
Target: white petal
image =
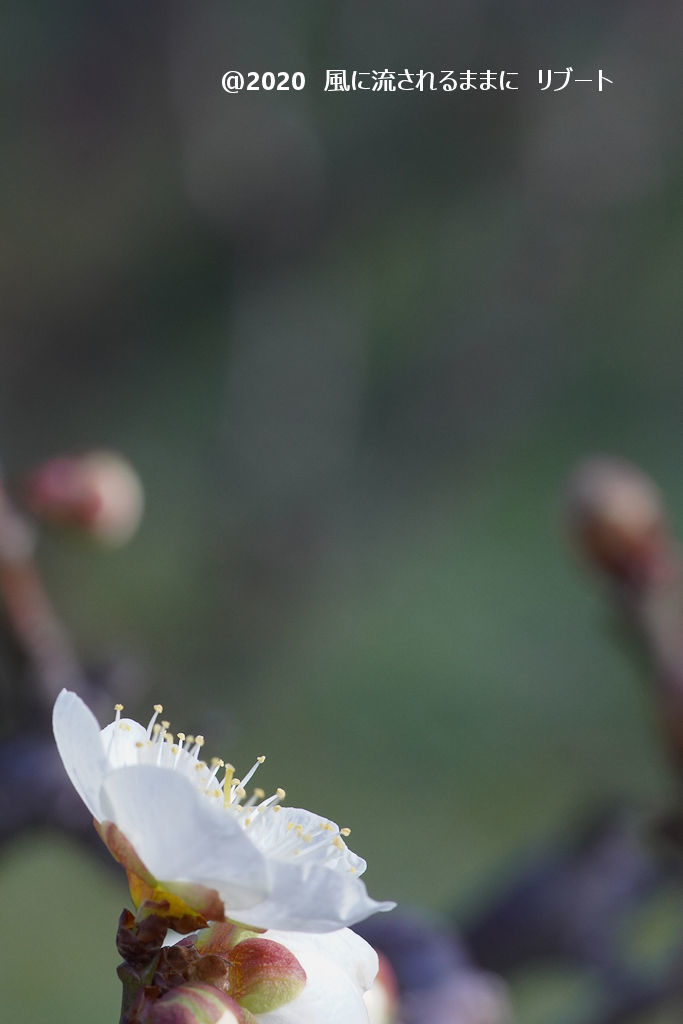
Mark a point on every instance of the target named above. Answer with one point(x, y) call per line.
point(330, 996)
point(77, 734)
point(119, 739)
point(312, 898)
point(344, 948)
point(273, 832)
point(180, 836)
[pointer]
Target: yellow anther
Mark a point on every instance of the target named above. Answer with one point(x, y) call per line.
point(199, 740)
point(290, 826)
point(261, 758)
point(118, 707)
point(181, 737)
point(259, 793)
point(124, 726)
point(190, 740)
point(216, 762)
point(338, 843)
point(139, 743)
point(157, 729)
point(165, 725)
point(158, 708)
point(168, 736)
point(240, 793)
point(352, 871)
point(247, 822)
point(307, 837)
point(174, 749)
point(276, 808)
point(345, 832)
point(280, 793)
point(299, 830)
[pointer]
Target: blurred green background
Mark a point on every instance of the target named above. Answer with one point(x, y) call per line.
point(353, 343)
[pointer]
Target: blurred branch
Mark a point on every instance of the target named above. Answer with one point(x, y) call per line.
point(568, 904)
point(39, 659)
point(617, 518)
point(31, 619)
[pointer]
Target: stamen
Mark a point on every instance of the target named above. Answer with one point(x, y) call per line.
point(278, 795)
point(238, 794)
point(345, 831)
point(216, 763)
point(158, 708)
point(258, 794)
point(259, 761)
point(118, 708)
point(198, 744)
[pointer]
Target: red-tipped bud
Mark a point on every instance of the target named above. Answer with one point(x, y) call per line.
point(195, 1003)
point(264, 975)
point(381, 999)
point(99, 493)
point(616, 515)
point(220, 938)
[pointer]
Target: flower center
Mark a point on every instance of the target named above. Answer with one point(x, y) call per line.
point(291, 835)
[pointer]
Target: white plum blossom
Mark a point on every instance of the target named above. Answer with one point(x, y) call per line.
point(187, 832)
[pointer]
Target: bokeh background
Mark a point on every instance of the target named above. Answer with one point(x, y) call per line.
point(353, 343)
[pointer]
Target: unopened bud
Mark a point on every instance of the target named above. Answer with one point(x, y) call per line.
point(220, 938)
point(195, 1003)
point(264, 975)
point(99, 493)
point(616, 515)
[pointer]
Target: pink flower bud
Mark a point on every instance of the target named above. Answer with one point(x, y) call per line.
point(616, 515)
point(99, 493)
point(195, 1003)
point(264, 975)
point(221, 938)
